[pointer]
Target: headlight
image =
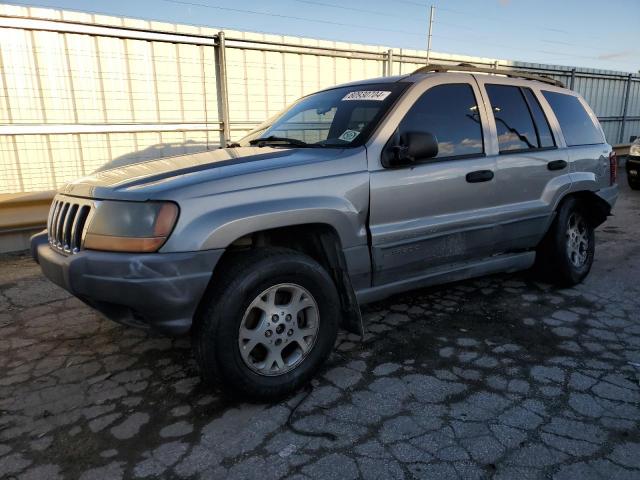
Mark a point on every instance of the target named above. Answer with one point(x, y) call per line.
point(635, 149)
point(130, 226)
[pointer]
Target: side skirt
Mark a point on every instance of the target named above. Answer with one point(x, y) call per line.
point(511, 262)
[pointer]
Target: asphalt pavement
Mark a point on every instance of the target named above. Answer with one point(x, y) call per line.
point(497, 377)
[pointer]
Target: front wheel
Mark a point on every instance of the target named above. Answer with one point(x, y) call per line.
point(269, 326)
point(634, 183)
point(566, 254)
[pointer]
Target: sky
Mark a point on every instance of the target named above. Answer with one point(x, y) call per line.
point(601, 34)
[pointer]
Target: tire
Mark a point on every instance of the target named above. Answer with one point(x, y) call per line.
point(253, 289)
point(633, 184)
point(566, 254)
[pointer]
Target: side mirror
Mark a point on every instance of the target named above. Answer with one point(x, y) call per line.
point(409, 147)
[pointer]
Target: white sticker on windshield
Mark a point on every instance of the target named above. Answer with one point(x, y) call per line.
point(375, 95)
point(349, 135)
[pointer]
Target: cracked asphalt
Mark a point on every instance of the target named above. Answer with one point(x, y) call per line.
point(498, 377)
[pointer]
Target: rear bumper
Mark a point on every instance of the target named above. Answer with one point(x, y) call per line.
point(609, 195)
point(153, 290)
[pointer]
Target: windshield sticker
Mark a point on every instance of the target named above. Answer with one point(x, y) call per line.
point(349, 135)
point(375, 95)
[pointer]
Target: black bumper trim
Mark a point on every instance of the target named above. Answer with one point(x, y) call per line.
point(632, 162)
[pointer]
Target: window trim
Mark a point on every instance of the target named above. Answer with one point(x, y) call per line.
point(535, 126)
point(527, 150)
point(465, 156)
point(604, 142)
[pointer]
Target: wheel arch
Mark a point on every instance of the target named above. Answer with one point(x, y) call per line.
point(319, 241)
point(221, 227)
point(597, 208)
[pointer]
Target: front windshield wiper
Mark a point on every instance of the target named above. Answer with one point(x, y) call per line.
point(272, 139)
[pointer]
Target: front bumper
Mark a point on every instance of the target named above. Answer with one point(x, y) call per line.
point(633, 168)
point(152, 290)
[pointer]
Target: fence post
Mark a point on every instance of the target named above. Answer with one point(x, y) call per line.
point(573, 78)
point(389, 62)
point(625, 105)
point(221, 87)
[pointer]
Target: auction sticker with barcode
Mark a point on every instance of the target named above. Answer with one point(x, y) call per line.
point(375, 95)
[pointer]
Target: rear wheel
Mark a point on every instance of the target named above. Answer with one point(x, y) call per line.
point(566, 254)
point(634, 183)
point(269, 326)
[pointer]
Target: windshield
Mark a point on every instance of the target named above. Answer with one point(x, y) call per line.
point(340, 117)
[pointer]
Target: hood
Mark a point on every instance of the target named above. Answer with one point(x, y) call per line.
point(153, 178)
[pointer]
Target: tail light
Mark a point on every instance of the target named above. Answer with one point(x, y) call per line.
point(613, 167)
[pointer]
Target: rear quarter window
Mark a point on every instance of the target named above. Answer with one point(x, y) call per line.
point(576, 124)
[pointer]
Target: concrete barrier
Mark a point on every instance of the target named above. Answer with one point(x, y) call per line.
point(22, 215)
point(622, 150)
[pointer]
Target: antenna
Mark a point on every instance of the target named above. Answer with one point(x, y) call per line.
point(432, 13)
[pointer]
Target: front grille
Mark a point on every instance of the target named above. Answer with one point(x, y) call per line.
point(67, 222)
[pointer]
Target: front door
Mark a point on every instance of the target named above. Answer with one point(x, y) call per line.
point(437, 211)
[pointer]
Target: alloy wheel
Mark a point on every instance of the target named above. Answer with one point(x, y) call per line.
point(577, 240)
point(278, 329)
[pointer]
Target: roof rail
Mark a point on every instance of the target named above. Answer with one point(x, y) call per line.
point(497, 71)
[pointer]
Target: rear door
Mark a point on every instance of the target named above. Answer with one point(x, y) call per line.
point(436, 211)
point(532, 168)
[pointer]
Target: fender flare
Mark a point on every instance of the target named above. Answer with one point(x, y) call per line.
point(227, 225)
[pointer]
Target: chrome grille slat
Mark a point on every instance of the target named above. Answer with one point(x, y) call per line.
point(67, 221)
point(66, 228)
point(76, 230)
point(50, 216)
point(54, 223)
point(60, 225)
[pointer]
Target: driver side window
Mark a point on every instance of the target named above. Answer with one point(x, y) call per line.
point(450, 113)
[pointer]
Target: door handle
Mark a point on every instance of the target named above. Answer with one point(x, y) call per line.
point(479, 176)
point(557, 165)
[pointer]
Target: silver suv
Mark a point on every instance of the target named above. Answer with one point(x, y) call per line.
point(263, 249)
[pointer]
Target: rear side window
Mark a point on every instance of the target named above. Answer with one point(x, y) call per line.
point(514, 122)
point(545, 138)
point(576, 124)
point(450, 113)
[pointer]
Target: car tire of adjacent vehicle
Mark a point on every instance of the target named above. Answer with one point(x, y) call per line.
point(241, 302)
point(565, 255)
point(634, 184)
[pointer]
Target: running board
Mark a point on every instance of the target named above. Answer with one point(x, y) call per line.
point(511, 262)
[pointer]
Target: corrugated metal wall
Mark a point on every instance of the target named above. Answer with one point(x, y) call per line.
point(115, 97)
point(80, 90)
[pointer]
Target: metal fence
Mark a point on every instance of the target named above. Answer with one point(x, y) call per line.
point(80, 90)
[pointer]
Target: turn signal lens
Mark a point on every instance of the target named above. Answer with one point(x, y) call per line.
point(130, 226)
point(167, 216)
point(122, 244)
